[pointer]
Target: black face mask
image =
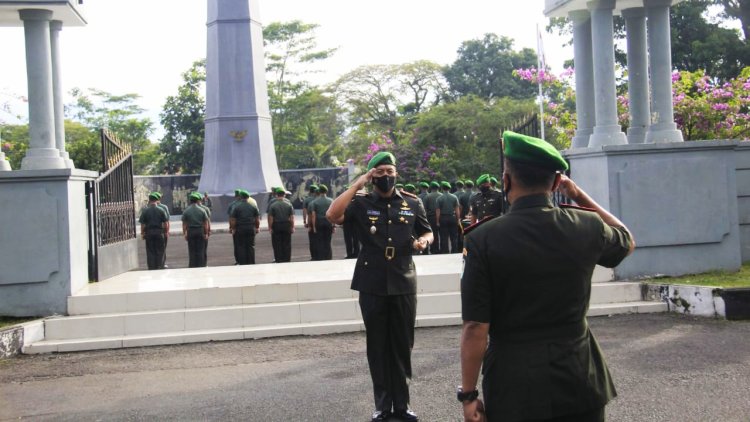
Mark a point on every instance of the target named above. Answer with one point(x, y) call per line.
point(484, 189)
point(384, 183)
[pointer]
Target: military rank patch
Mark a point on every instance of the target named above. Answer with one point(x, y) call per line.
point(373, 212)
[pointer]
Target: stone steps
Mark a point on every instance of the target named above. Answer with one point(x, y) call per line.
point(306, 299)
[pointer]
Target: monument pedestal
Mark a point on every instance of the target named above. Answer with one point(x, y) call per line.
point(678, 199)
point(43, 240)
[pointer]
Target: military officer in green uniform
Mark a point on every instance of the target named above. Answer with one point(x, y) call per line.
point(322, 228)
point(391, 225)
point(153, 222)
point(488, 202)
point(165, 208)
point(203, 204)
point(244, 224)
point(430, 206)
point(527, 283)
point(281, 226)
point(196, 229)
point(448, 217)
point(424, 189)
point(237, 199)
point(409, 187)
point(312, 195)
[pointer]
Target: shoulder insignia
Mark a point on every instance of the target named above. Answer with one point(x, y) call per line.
point(409, 194)
point(470, 228)
point(576, 207)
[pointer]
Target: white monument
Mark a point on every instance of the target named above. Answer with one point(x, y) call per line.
point(239, 150)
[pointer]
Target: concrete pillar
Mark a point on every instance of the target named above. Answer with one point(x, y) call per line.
point(607, 131)
point(57, 92)
point(42, 153)
point(663, 127)
point(640, 111)
point(584, 71)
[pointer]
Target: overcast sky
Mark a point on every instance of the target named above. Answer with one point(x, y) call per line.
point(142, 46)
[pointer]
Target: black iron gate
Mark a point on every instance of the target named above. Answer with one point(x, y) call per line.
point(110, 200)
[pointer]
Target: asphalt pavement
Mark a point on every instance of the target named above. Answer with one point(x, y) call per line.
point(666, 367)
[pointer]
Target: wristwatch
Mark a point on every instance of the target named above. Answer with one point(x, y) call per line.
point(468, 396)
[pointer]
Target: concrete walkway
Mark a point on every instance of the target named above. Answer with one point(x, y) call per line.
point(666, 367)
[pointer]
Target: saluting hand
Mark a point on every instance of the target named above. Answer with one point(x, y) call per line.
point(568, 188)
point(363, 179)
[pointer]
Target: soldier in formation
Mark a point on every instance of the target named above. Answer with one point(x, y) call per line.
point(154, 224)
point(281, 226)
point(244, 224)
point(322, 228)
point(196, 229)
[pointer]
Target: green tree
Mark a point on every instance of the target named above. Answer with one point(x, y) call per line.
point(15, 142)
point(83, 145)
point(120, 114)
point(484, 68)
point(183, 120)
point(737, 9)
point(306, 129)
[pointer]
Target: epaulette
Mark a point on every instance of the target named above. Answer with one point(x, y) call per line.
point(577, 207)
point(409, 194)
point(471, 227)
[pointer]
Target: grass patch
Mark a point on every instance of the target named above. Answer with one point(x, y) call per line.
point(8, 321)
point(725, 279)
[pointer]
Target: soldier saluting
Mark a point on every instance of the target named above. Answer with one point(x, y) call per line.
point(391, 225)
point(527, 283)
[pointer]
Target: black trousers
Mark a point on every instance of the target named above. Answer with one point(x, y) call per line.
point(448, 234)
point(196, 247)
point(164, 256)
point(236, 248)
point(281, 240)
point(435, 246)
point(389, 325)
point(350, 239)
point(323, 241)
point(244, 245)
point(155, 246)
point(313, 239)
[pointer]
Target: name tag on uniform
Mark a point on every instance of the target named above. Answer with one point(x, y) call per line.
point(373, 212)
point(408, 213)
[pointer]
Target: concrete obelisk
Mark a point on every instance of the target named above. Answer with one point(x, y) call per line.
point(239, 150)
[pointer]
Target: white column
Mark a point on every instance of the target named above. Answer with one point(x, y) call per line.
point(607, 130)
point(584, 73)
point(55, 27)
point(42, 153)
point(663, 127)
point(635, 24)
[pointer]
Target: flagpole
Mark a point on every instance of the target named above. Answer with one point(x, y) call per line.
point(540, 68)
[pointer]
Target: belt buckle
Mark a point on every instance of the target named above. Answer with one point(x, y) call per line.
point(390, 252)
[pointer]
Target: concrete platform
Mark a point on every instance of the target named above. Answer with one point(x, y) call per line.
point(144, 308)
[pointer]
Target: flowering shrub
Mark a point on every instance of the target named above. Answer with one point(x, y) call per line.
point(704, 108)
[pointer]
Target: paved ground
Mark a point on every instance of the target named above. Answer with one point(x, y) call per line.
point(667, 368)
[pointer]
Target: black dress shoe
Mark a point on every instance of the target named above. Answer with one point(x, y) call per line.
point(406, 415)
point(380, 415)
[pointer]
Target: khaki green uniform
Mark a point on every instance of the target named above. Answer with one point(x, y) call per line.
point(166, 237)
point(430, 205)
point(528, 274)
point(323, 227)
point(311, 237)
point(281, 237)
point(194, 216)
point(447, 204)
point(153, 218)
point(245, 215)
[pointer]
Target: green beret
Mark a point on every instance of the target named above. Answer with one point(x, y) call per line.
point(532, 151)
point(409, 187)
point(313, 188)
point(278, 191)
point(459, 184)
point(493, 179)
point(322, 188)
point(244, 193)
point(485, 178)
point(399, 185)
point(153, 196)
point(381, 158)
point(424, 185)
point(469, 183)
point(196, 196)
point(237, 192)
point(434, 184)
point(445, 185)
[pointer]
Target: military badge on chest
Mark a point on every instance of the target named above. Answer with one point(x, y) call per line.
point(373, 216)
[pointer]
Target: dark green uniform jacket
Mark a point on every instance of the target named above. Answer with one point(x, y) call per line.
point(245, 213)
point(153, 216)
point(485, 204)
point(446, 203)
point(281, 210)
point(528, 274)
point(319, 206)
point(194, 216)
point(386, 227)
